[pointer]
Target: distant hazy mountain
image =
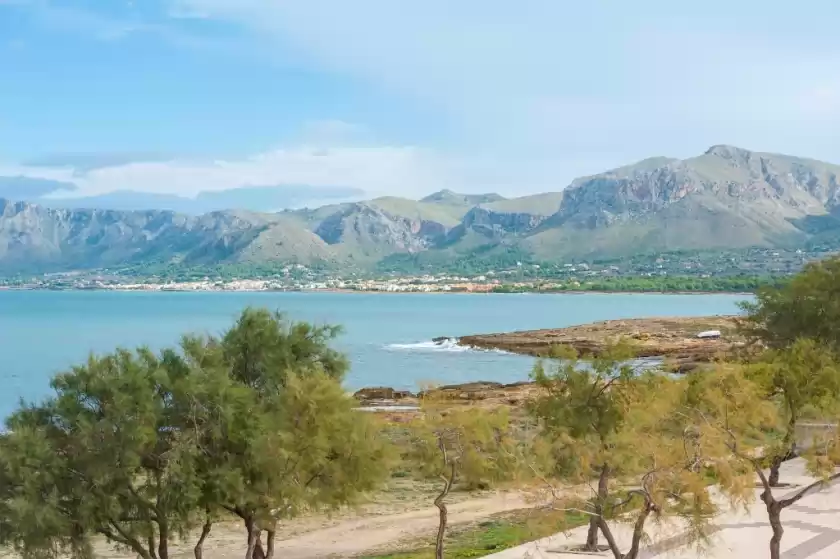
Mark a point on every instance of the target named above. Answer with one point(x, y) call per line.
point(26, 188)
point(453, 198)
point(725, 198)
point(252, 198)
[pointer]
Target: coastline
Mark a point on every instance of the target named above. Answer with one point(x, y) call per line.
point(381, 292)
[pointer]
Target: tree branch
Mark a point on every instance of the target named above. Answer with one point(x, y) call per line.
point(817, 485)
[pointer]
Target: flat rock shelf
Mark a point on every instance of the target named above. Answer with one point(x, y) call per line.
point(674, 339)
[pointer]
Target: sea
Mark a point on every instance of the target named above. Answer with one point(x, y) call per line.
point(387, 337)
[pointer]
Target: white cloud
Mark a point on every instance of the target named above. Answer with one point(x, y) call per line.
point(376, 170)
point(542, 78)
point(533, 93)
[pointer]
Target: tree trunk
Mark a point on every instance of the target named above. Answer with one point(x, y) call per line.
point(269, 536)
point(774, 513)
point(444, 514)
point(600, 499)
point(163, 542)
point(790, 452)
point(253, 538)
point(639, 530)
point(608, 535)
point(198, 550)
point(259, 552)
point(592, 535)
point(773, 478)
point(778, 531)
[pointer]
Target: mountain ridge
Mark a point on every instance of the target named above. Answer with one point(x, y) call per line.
point(726, 197)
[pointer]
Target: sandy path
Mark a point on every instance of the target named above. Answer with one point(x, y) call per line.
point(355, 536)
point(351, 536)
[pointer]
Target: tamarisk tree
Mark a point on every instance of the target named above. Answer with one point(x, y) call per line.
point(733, 417)
point(108, 456)
point(656, 466)
point(299, 445)
point(469, 446)
point(803, 378)
point(582, 408)
point(143, 448)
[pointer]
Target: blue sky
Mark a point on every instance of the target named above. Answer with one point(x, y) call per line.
point(403, 97)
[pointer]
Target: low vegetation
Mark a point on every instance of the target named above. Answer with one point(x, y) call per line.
point(148, 449)
point(497, 533)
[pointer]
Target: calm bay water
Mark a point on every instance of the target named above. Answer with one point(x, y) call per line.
point(387, 337)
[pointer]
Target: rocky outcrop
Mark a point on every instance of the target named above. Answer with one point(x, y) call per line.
point(380, 393)
point(673, 339)
point(479, 393)
point(493, 225)
point(369, 227)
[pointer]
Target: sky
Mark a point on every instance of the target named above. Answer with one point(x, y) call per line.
point(403, 97)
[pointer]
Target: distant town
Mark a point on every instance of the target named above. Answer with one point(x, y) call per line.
point(672, 272)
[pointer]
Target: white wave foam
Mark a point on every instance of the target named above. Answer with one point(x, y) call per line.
point(445, 345)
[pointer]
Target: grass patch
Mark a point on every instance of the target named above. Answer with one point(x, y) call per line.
point(499, 532)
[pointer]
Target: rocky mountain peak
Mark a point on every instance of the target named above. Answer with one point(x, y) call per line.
point(447, 196)
point(732, 153)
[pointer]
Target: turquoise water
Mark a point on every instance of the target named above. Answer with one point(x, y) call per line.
point(387, 337)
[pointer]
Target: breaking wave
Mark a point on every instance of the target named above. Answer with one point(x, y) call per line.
point(450, 345)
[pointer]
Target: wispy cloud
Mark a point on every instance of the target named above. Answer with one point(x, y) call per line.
point(531, 94)
point(98, 25)
point(541, 76)
point(406, 170)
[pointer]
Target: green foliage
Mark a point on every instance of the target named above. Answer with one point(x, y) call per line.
point(463, 445)
point(141, 447)
point(603, 420)
point(808, 306)
point(801, 379)
point(478, 443)
point(117, 456)
point(584, 402)
point(477, 261)
point(262, 348)
point(582, 410)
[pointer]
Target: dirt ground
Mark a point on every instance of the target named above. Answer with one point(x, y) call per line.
point(367, 533)
point(371, 529)
point(389, 520)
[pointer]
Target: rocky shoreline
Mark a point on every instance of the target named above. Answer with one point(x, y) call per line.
point(673, 339)
point(485, 393)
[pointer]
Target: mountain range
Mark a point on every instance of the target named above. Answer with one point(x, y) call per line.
point(726, 198)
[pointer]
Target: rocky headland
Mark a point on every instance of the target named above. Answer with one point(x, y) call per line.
point(673, 339)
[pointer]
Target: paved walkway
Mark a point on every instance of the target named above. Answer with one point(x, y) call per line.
point(812, 531)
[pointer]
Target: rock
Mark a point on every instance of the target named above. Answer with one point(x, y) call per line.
point(381, 393)
point(670, 338)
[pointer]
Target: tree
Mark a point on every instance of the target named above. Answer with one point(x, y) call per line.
point(469, 445)
point(733, 416)
point(805, 307)
point(803, 378)
point(299, 444)
point(625, 429)
point(664, 462)
point(140, 448)
point(262, 347)
point(106, 455)
point(581, 410)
